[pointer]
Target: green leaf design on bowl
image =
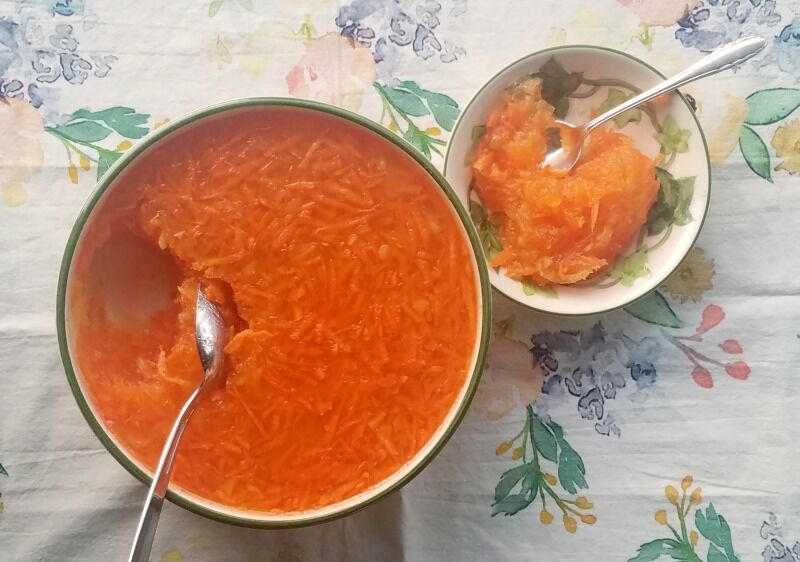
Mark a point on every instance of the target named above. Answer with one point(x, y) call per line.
point(530, 288)
point(475, 135)
point(672, 204)
point(614, 98)
point(557, 85)
point(627, 269)
point(672, 138)
point(490, 237)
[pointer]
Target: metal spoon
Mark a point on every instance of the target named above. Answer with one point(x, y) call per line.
point(559, 158)
point(211, 334)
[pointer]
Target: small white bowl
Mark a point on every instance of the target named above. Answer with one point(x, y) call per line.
point(601, 69)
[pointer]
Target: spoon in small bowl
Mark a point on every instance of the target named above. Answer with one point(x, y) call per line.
point(562, 158)
point(211, 334)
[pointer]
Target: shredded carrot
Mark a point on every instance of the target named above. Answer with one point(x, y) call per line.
point(556, 227)
point(348, 355)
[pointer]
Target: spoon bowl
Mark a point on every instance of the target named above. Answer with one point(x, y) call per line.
point(561, 155)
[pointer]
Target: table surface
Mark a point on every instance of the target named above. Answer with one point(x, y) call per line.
point(672, 442)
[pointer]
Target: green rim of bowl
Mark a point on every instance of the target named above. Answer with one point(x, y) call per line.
point(691, 111)
point(153, 138)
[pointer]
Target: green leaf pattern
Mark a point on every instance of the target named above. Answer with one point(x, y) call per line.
point(82, 132)
point(530, 288)
point(84, 129)
point(684, 544)
point(654, 550)
point(542, 441)
point(755, 153)
point(490, 237)
point(123, 120)
point(715, 528)
point(655, 309)
point(628, 269)
point(616, 97)
point(765, 107)
point(408, 100)
point(672, 204)
point(672, 138)
point(557, 85)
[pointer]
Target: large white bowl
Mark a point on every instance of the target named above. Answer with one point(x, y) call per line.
point(606, 66)
point(66, 323)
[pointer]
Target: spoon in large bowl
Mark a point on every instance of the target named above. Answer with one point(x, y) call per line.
point(563, 158)
point(211, 334)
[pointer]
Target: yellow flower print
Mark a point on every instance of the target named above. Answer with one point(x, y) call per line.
point(266, 45)
point(683, 542)
point(611, 24)
point(20, 148)
point(334, 69)
point(672, 494)
point(172, 555)
point(555, 36)
point(693, 277)
point(725, 138)
point(542, 443)
point(502, 448)
point(511, 378)
point(219, 52)
point(786, 143)
point(659, 12)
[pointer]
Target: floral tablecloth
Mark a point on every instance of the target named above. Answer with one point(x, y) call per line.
point(666, 435)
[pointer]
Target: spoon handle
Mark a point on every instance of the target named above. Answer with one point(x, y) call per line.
point(143, 541)
point(723, 58)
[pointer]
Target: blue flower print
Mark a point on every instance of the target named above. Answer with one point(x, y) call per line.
point(786, 48)
point(777, 549)
point(390, 29)
point(32, 58)
point(715, 22)
point(66, 7)
point(641, 355)
point(595, 368)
